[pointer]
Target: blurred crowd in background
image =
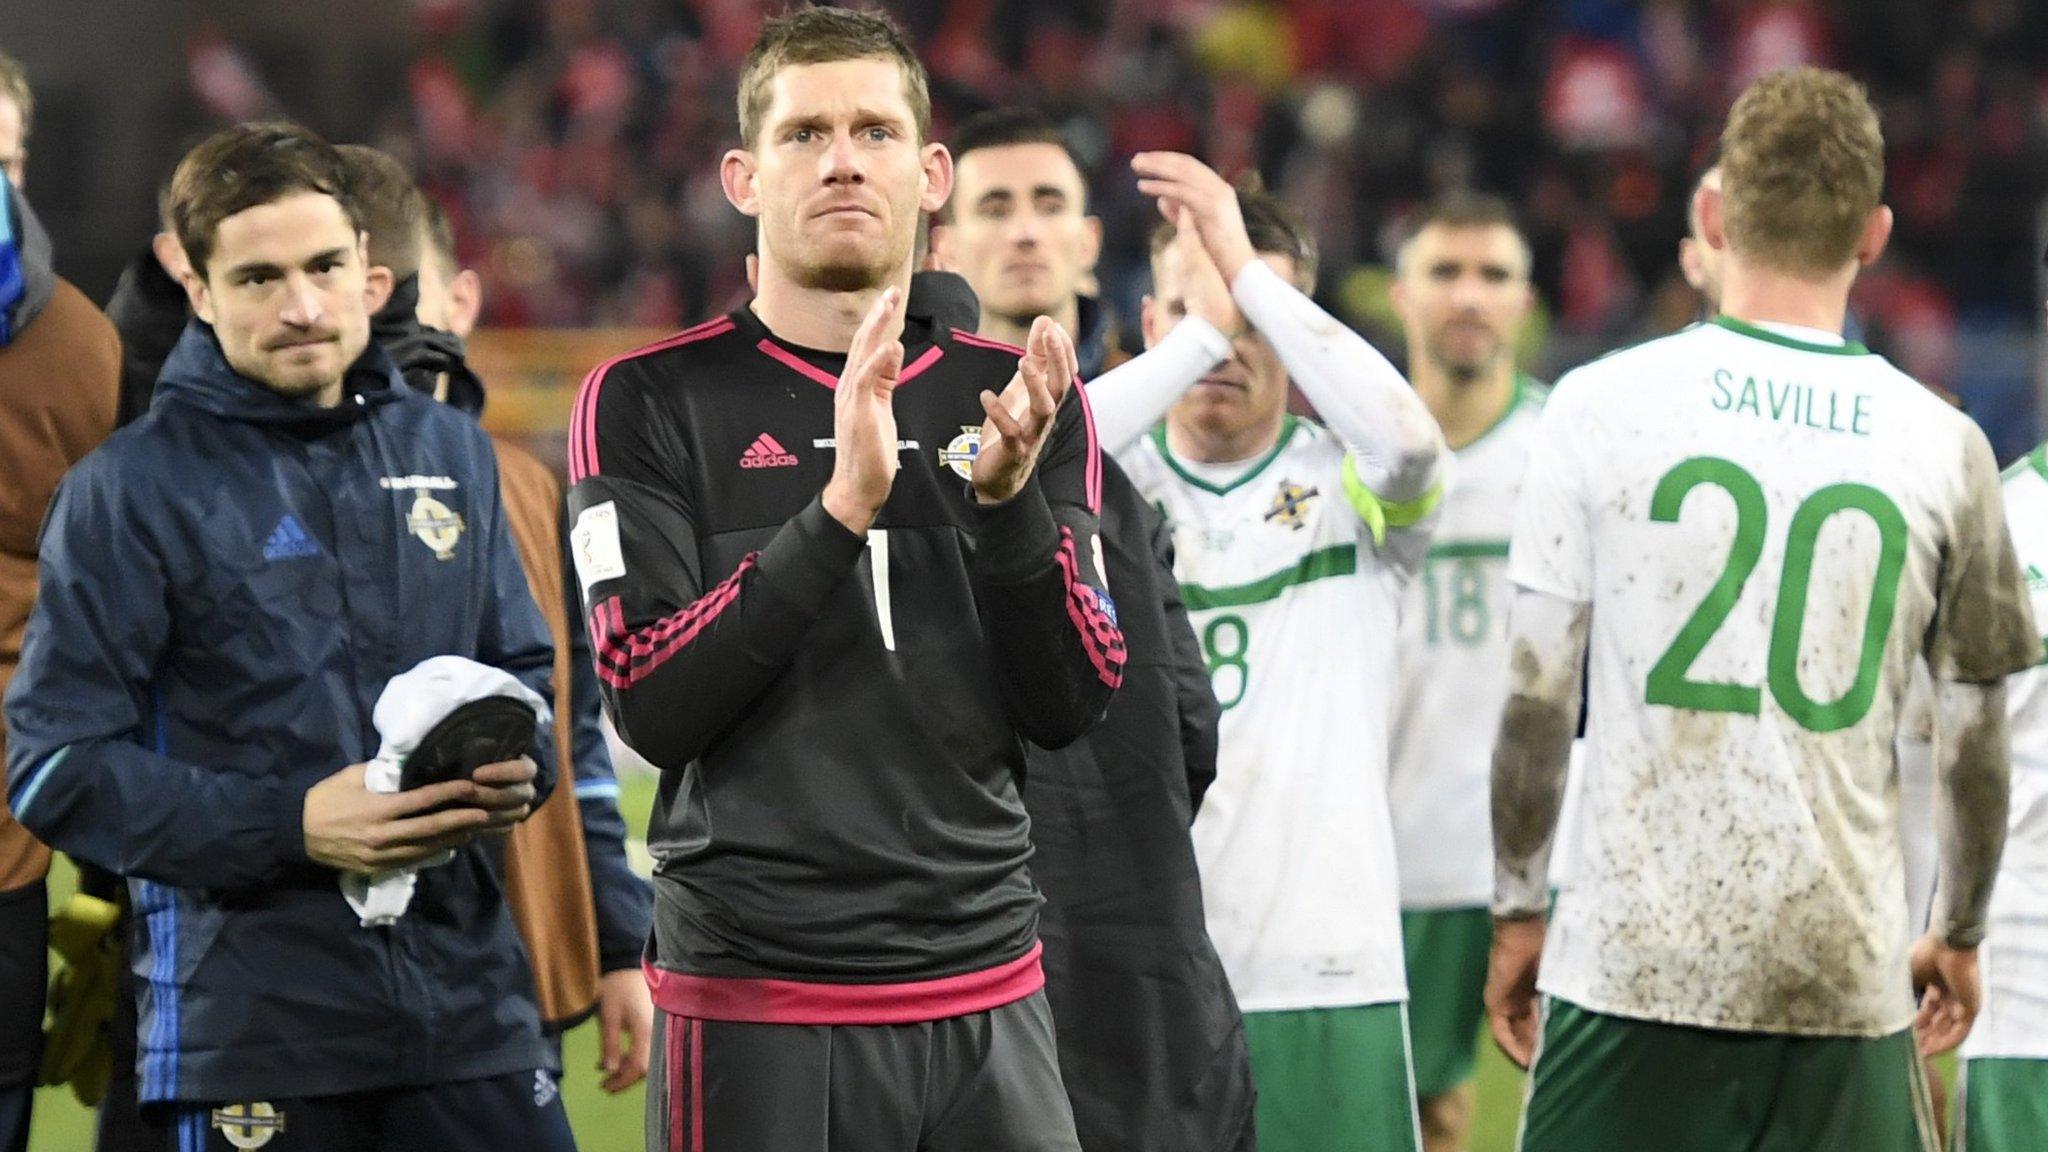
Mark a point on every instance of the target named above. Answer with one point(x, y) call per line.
point(576, 142)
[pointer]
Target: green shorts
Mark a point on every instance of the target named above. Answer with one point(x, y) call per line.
point(1612, 1084)
point(2004, 1106)
point(1334, 1079)
point(1446, 950)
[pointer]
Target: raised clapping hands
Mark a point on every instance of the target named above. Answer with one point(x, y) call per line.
point(864, 417)
point(1193, 196)
point(1019, 420)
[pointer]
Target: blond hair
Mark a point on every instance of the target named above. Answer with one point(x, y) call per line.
point(827, 36)
point(1802, 168)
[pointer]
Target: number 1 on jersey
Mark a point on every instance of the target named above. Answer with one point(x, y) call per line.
point(878, 565)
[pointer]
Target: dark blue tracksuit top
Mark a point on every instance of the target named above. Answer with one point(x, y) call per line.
point(226, 585)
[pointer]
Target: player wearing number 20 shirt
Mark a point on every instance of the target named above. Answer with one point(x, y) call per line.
point(1782, 522)
point(839, 720)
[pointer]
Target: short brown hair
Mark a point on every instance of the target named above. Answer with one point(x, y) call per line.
point(1802, 168)
point(392, 207)
point(1272, 225)
point(824, 36)
point(1001, 128)
point(14, 86)
point(244, 167)
point(1464, 209)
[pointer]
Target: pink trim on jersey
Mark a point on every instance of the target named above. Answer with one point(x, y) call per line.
point(917, 366)
point(767, 1001)
point(970, 338)
point(583, 420)
point(818, 375)
point(1092, 476)
point(790, 359)
point(1101, 638)
point(677, 1075)
point(696, 1086)
point(624, 658)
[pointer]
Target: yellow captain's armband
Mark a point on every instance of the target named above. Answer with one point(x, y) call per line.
point(1380, 513)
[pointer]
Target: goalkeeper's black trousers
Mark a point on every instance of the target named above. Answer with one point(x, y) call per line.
point(983, 1082)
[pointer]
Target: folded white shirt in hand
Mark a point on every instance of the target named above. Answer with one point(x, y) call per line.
point(411, 704)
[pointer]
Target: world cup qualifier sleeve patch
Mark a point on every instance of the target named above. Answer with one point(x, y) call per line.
point(594, 545)
point(1104, 603)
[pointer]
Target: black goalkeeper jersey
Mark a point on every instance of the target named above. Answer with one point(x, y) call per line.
point(840, 721)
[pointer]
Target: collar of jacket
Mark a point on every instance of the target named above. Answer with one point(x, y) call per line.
point(945, 298)
point(197, 374)
point(1091, 343)
point(148, 308)
point(424, 355)
point(27, 269)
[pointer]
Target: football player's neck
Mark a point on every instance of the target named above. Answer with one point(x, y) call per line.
point(1465, 404)
point(1759, 294)
point(819, 318)
point(1016, 329)
point(1209, 442)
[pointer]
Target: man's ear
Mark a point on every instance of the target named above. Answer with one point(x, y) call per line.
point(1149, 319)
point(1709, 203)
point(170, 255)
point(1877, 232)
point(736, 176)
point(1091, 243)
point(378, 283)
point(1689, 263)
point(465, 302)
point(938, 177)
point(197, 293)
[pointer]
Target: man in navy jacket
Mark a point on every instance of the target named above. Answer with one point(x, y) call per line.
point(226, 587)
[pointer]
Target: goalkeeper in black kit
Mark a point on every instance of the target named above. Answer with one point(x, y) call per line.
point(839, 564)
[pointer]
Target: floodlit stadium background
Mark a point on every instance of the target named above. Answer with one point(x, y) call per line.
point(575, 142)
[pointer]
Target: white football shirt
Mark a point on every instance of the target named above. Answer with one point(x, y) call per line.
point(1295, 599)
point(2013, 960)
point(1770, 528)
point(1453, 678)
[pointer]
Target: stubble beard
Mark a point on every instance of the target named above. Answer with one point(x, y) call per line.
point(282, 381)
point(841, 277)
point(852, 273)
point(301, 388)
point(1462, 371)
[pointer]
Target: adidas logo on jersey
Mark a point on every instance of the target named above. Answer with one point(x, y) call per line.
point(764, 452)
point(288, 541)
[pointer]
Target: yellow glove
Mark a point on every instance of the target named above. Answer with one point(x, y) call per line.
point(75, 1049)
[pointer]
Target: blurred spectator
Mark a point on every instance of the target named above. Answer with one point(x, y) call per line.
point(567, 136)
point(17, 112)
point(569, 143)
point(60, 369)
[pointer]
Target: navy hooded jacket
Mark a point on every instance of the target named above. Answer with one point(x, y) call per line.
point(226, 586)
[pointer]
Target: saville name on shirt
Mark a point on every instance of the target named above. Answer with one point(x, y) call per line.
point(1790, 402)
